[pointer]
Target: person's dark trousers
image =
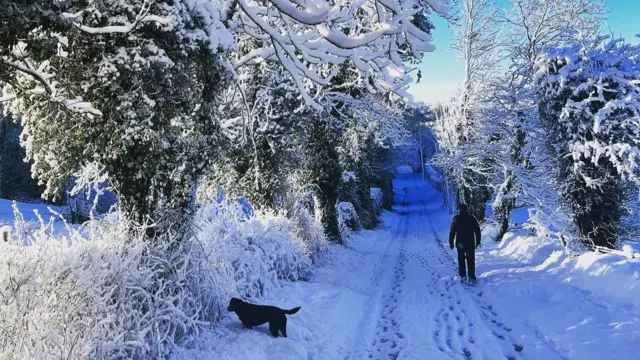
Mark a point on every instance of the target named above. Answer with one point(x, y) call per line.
point(467, 263)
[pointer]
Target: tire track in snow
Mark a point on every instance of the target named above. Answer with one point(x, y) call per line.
point(386, 343)
point(379, 300)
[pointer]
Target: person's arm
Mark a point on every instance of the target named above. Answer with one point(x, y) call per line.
point(452, 232)
point(476, 230)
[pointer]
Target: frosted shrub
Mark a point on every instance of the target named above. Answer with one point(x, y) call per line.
point(253, 252)
point(118, 296)
point(309, 230)
point(113, 297)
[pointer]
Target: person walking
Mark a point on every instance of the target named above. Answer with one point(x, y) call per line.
point(465, 235)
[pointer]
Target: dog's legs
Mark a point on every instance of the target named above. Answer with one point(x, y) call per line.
point(273, 327)
point(247, 326)
point(283, 328)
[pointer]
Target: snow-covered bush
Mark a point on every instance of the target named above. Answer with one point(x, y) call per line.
point(119, 296)
point(309, 230)
point(112, 297)
point(376, 196)
point(254, 252)
point(347, 216)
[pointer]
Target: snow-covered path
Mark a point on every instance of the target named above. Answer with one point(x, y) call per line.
point(391, 294)
point(416, 309)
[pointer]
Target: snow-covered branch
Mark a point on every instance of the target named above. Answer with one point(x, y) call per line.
point(600, 83)
point(76, 105)
point(311, 43)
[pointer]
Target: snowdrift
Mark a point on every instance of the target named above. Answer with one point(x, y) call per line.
point(117, 296)
point(614, 275)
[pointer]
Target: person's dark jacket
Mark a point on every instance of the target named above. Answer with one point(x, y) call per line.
point(464, 230)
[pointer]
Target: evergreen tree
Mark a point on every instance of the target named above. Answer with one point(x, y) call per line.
point(139, 99)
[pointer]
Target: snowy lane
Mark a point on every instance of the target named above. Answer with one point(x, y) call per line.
point(385, 294)
point(419, 311)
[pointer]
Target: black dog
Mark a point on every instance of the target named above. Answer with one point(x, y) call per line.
point(253, 315)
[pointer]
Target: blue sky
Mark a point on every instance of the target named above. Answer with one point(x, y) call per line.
point(442, 70)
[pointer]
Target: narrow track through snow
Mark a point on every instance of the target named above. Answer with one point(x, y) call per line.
point(443, 319)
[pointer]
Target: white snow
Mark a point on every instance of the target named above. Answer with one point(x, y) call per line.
point(391, 294)
point(28, 211)
point(120, 296)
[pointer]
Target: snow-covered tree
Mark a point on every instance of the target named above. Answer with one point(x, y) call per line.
point(261, 141)
point(460, 127)
point(509, 113)
point(135, 86)
point(534, 24)
point(322, 171)
point(591, 110)
point(131, 87)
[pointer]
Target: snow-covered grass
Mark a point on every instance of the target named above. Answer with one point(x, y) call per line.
point(28, 211)
point(115, 295)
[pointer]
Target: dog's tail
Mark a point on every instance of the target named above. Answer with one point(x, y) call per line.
point(292, 311)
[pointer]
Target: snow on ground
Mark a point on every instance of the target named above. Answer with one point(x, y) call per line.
point(27, 210)
point(391, 294)
point(578, 307)
point(386, 294)
point(33, 217)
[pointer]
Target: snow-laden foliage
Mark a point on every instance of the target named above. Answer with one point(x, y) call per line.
point(119, 296)
point(130, 89)
point(600, 117)
point(347, 216)
point(262, 141)
point(309, 230)
point(257, 251)
point(138, 88)
point(311, 40)
point(590, 109)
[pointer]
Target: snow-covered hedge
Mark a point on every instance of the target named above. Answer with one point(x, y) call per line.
point(118, 296)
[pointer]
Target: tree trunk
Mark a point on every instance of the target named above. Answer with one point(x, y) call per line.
point(326, 204)
point(3, 138)
point(323, 165)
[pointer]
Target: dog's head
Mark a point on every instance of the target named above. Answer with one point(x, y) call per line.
point(235, 304)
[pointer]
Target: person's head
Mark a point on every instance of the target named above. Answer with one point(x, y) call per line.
point(463, 209)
